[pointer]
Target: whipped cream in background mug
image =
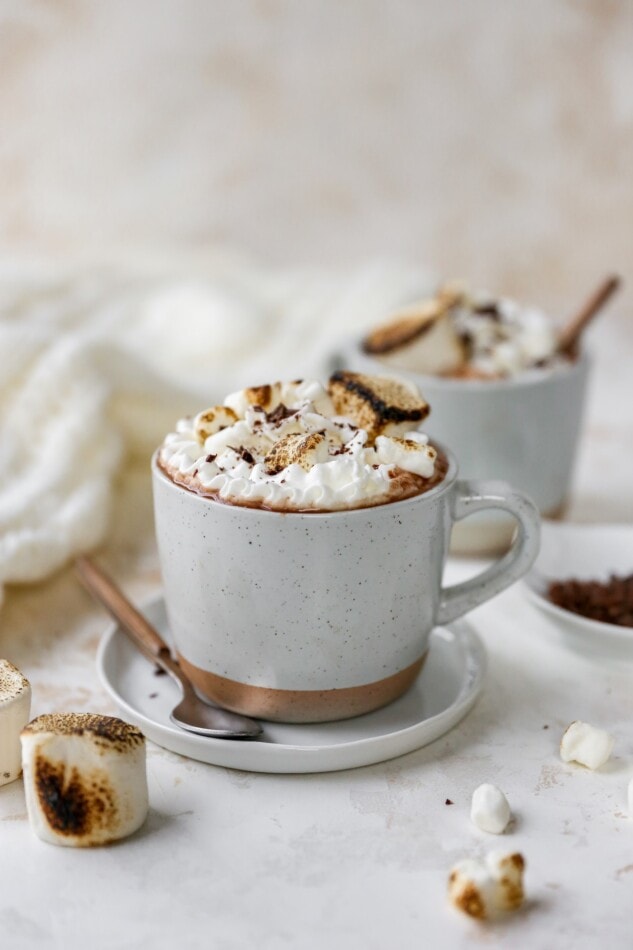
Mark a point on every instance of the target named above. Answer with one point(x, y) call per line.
point(501, 396)
point(302, 575)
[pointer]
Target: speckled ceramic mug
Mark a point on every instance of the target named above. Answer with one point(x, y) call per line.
point(524, 430)
point(309, 617)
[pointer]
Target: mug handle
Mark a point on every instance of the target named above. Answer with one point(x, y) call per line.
point(470, 496)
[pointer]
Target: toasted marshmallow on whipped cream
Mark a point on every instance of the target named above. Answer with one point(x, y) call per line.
point(300, 446)
point(466, 334)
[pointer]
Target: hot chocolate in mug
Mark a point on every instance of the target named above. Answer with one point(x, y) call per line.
point(314, 616)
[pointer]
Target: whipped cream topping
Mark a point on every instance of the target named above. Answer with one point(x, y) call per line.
point(502, 337)
point(287, 446)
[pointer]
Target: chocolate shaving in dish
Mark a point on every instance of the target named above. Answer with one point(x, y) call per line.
point(609, 602)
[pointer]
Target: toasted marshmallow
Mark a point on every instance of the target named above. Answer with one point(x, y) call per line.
point(15, 712)
point(485, 889)
point(409, 454)
point(272, 395)
point(303, 450)
point(379, 404)
point(213, 420)
point(586, 745)
point(490, 810)
point(421, 338)
point(84, 778)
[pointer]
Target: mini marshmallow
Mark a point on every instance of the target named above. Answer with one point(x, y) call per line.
point(211, 421)
point(15, 712)
point(484, 889)
point(490, 810)
point(84, 778)
point(586, 745)
point(297, 449)
point(408, 454)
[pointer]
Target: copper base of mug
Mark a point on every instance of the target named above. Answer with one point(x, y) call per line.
point(300, 705)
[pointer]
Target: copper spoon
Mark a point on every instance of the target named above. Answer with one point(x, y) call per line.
point(191, 713)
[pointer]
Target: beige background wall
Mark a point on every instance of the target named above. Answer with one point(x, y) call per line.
point(489, 138)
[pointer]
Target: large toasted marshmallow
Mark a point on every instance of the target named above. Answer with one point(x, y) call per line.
point(487, 888)
point(586, 745)
point(15, 712)
point(420, 339)
point(378, 404)
point(84, 777)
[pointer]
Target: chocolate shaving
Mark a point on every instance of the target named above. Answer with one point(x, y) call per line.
point(608, 602)
point(211, 458)
point(279, 413)
point(487, 310)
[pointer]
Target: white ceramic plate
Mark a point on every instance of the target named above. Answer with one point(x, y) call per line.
point(585, 552)
point(444, 692)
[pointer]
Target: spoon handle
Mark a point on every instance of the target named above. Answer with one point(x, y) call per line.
point(571, 332)
point(98, 583)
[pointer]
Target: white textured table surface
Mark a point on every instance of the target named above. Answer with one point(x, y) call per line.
point(355, 859)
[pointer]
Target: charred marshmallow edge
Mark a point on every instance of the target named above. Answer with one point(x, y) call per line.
point(84, 778)
point(15, 712)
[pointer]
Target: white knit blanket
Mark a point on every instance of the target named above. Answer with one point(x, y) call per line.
point(97, 364)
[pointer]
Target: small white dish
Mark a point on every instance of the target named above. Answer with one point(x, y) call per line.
point(444, 692)
point(582, 552)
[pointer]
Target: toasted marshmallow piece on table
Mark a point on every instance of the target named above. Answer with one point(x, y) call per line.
point(84, 777)
point(586, 745)
point(379, 404)
point(487, 888)
point(490, 810)
point(15, 712)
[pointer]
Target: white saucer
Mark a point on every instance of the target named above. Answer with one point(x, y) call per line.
point(585, 552)
point(444, 692)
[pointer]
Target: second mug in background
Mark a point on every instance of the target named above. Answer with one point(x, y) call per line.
point(524, 430)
